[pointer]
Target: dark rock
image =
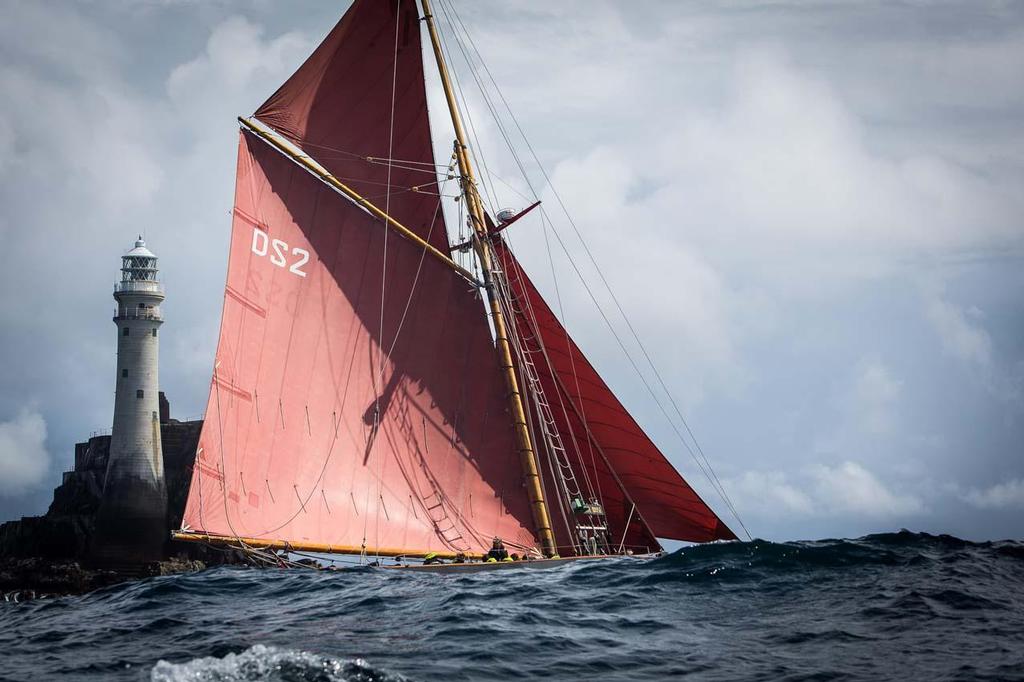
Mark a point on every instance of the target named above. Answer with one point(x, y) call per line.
point(22, 579)
point(50, 554)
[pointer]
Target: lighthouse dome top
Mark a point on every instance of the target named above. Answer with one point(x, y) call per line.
point(141, 250)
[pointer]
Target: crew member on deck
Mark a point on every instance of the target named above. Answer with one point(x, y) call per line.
point(432, 558)
point(498, 551)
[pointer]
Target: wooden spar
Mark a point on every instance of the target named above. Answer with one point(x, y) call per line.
point(465, 246)
point(527, 455)
point(320, 548)
point(321, 173)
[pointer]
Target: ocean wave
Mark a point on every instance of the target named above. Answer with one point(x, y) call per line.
point(261, 663)
point(882, 549)
point(888, 606)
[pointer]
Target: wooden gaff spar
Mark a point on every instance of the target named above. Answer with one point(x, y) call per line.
point(356, 406)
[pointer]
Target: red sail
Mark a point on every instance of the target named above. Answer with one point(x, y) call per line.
point(623, 462)
point(291, 448)
point(338, 108)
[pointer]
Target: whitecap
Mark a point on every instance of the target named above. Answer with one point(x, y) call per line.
point(269, 664)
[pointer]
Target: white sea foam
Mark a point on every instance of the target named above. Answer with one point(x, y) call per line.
point(269, 664)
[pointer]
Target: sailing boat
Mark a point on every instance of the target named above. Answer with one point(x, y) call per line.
point(371, 396)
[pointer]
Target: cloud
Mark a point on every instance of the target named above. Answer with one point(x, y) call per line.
point(749, 207)
point(846, 489)
point(769, 493)
point(961, 337)
point(24, 461)
point(236, 64)
point(875, 392)
point(105, 156)
point(784, 173)
point(690, 323)
point(74, 123)
point(1007, 495)
point(850, 488)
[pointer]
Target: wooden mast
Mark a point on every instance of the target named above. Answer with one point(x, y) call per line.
point(527, 455)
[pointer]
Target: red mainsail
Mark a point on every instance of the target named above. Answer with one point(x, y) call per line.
point(326, 424)
point(625, 465)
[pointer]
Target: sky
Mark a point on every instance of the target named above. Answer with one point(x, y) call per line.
point(811, 212)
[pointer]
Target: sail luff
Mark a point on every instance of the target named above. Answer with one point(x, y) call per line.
point(528, 455)
point(310, 164)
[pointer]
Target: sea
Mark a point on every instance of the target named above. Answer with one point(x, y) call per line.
point(895, 606)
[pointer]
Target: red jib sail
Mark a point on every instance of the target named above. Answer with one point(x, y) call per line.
point(626, 466)
point(338, 107)
point(330, 424)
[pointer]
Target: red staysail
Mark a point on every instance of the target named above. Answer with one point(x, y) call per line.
point(338, 108)
point(305, 440)
point(625, 465)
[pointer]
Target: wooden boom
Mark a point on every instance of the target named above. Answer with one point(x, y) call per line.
point(264, 543)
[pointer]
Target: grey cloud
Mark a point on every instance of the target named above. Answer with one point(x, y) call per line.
point(24, 461)
point(1009, 494)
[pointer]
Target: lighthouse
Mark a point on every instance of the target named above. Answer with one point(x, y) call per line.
point(131, 524)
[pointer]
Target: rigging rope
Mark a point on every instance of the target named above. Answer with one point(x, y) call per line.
point(476, 150)
point(561, 313)
point(594, 491)
point(379, 380)
point(529, 407)
point(559, 470)
point(705, 465)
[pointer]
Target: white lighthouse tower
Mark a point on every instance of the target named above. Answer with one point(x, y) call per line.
point(131, 521)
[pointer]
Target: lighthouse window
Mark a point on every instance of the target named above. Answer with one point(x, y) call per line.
point(138, 393)
point(154, 332)
point(124, 373)
point(125, 332)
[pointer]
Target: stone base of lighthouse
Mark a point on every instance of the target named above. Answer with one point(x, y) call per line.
point(131, 523)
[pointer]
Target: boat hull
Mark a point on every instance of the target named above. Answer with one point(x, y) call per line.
point(481, 566)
